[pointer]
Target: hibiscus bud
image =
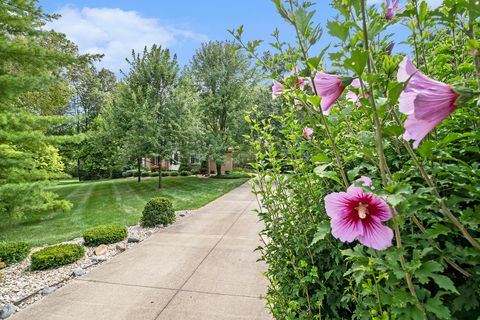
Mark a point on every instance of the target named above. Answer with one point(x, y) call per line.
point(307, 132)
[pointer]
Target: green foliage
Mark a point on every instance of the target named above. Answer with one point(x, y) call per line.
point(185, 173)
point(104, 235)
point(233, 175)
point(432, 268)
point(221, 75)
point(12, 252)
point(145, 114)
point(158, 211)
point(173, 174)
point(56, 256)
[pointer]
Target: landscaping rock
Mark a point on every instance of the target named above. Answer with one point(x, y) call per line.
point(182, 213)
point(121, 247)
point(78, 272)
point(18, 282)
point(133, 239)
point(47, 290)
point(98, 259)
point(7, 310)
point(101, 250)
point(2, 264)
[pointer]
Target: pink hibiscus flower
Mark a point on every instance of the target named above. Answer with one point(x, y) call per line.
point(277, 89)
point(358, 215)
point(391, 9)
point(329, 87)
point(307, 132)
point(366, 181)
point(352, 96)
point(426, 102)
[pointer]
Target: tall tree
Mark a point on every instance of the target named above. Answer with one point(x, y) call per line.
point(29, 62)
point(145, 108)
point(222, 77)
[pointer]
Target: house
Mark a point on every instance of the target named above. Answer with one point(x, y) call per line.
point(174, 163)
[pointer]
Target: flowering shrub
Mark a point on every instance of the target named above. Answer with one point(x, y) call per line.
point(366, 224)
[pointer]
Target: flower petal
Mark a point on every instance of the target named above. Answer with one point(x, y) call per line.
point(376, 235)
point(338, 205)
point(379, 209)
point(406, 102)
point(347, 229)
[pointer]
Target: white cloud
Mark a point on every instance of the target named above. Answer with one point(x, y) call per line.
point(115, 32)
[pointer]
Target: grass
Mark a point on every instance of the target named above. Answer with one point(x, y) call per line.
point(109, 202)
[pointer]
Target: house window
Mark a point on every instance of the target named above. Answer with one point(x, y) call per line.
point(194, 160)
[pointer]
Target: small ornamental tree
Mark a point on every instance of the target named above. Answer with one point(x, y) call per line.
point(377, 217)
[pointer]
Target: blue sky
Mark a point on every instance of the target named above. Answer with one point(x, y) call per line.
point(114, 28)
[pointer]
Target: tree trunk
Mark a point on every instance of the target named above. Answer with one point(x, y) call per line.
point(78, 169)
point(219, 169)
point(160, 174)
point(139, 169)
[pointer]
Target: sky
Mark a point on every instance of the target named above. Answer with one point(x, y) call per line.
point(115, 27)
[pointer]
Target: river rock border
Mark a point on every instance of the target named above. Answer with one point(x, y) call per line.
point(20, 287)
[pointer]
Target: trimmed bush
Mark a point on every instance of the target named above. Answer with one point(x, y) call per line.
point(231, 176)
point(56, 256)
point(195, 171)
point(165, 174)
point(12, 252)
point(153, 174)
point(158, 211)
point(173, 174)
point(104, 235)
point(185, 173)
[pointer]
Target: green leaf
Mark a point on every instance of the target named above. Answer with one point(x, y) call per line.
point(435, 306)
point(357, 61)
point(337, 30)
point(394, 92)
point(392, 131)
point(322, 231)
point(322, 173)
point(426, 148)
point(427, 270)
point(321, 157)
point(444, 282)
point(395, 199)
point(314, 100)
point(302, 20)
point(436, 230)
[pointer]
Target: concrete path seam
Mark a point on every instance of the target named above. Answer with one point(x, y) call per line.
point(204, 258)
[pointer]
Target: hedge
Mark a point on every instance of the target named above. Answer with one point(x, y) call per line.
point(56, 256)
point(104, 235)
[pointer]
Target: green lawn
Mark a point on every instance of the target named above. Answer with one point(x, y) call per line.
point(118, 202)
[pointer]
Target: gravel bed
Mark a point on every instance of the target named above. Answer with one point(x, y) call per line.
point(21, 287)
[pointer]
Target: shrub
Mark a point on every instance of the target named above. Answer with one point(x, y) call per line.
point(153, 174)
point(104, 235)
point(12, 252)
point(56, 256)
point(165, 174)
point(173, 174)
point(195, 172)
point(145, 173)
point(185, 173)
point(231, 176)
point(204, 167)
point(158, 211)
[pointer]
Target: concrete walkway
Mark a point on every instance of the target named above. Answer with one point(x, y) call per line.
point(203, 267)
